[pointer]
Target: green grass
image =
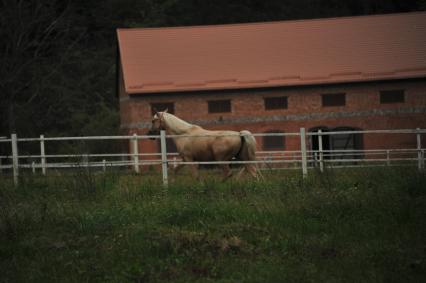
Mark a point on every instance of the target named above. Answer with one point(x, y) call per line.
point(341, 226)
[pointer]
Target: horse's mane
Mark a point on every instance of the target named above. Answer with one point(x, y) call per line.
point(175, 123)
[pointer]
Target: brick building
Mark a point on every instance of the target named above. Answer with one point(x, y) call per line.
point(335, 74)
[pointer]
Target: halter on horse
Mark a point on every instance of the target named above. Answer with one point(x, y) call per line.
point(194, 143)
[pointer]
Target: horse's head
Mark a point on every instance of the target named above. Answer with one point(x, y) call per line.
point(158, 123)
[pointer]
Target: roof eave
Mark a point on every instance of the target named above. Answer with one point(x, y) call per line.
point(177, 89)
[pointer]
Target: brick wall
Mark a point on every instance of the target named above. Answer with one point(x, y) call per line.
point(362, 110)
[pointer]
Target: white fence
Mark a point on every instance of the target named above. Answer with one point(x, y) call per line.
point(304, 158)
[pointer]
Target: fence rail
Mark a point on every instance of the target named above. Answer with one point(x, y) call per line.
point(303, 158)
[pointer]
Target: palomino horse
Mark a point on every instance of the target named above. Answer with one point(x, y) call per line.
point(198, 144)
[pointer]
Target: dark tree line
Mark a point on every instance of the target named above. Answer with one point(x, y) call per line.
point(57, 58)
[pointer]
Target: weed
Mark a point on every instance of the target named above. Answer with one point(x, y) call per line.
point(343, 225)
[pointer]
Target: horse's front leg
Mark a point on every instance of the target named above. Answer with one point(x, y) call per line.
point(194, 168)
point(176, 170)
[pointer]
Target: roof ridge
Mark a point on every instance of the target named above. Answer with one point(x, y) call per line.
point(278, 22)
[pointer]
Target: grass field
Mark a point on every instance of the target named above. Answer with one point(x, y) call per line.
point(341, 226)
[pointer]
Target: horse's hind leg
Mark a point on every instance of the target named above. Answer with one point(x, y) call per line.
point(254, 172)
point(226, 172)
point(194, 171)
point(258, 173)
point(241, 173)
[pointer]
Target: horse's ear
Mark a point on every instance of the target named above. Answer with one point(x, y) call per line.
point(154, 110)
point(165, 111)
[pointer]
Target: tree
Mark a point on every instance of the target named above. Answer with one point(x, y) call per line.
point(57, 58)
point(31, 32)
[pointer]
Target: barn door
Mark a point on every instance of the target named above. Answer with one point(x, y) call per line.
point(346, 146)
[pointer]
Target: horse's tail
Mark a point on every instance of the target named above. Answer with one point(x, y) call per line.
point(248, 146)
point(248, 153)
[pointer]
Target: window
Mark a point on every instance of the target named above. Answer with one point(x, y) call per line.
point(273, 142)
point(219, 106)
point(346, 141)
point(392, 96)
point(342, 146)
point(161, 106)
point(272, 103)
point(334, 99)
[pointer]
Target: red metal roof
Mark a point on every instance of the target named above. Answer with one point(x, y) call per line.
point(285, 53)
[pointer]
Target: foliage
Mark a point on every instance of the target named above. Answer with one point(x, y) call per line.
point(342, 226)
point(58, 58)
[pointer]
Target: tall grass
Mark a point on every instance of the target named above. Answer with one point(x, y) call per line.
point(340, 226)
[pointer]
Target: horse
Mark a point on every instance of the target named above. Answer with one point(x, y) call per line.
point(194, 144)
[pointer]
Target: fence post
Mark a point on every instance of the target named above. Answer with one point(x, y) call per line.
point(1, 168)
point(104, 165)
point(387, 157)
point(135, 152)
point(419, 150)
point(321, 154)
point(164, 158)
point(15, 160)
point(303, 150)
point(42, 155)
